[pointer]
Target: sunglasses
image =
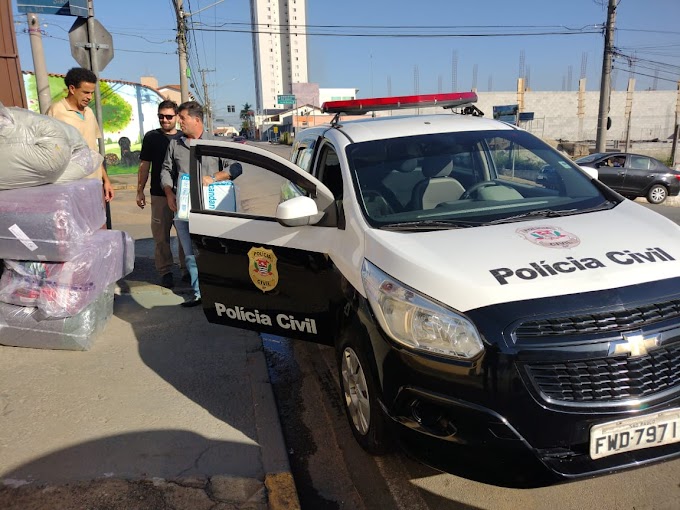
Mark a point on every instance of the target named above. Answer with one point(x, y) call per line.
point(166, 117)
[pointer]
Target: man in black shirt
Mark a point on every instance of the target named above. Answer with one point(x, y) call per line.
point(154, 147)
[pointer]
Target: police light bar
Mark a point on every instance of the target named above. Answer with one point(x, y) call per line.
point(361, 106)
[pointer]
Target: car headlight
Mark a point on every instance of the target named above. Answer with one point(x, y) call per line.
point(417, 322)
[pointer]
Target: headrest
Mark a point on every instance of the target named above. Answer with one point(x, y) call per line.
point(437, 166)
point(408, 165)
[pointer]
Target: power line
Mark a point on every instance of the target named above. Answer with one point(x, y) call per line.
point(396, 35)
point(45, 34)
point(643, 74)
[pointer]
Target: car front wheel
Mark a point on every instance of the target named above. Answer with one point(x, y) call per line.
point(657, 194)
point(359, 394)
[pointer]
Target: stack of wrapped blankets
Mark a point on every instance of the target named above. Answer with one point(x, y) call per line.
point(59, 267)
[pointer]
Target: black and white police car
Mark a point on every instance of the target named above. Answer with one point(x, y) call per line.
point(469, 303)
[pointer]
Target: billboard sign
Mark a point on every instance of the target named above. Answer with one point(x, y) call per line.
point(285, 99)
point(61, 7)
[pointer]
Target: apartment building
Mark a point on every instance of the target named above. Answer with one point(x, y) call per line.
point(279, 48)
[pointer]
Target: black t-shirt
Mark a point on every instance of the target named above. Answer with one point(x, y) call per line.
point(154, 147)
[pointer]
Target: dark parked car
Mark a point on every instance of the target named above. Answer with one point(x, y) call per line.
point(239, 139)
point(634, 175)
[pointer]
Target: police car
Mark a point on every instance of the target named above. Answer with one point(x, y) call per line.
point(470, 301)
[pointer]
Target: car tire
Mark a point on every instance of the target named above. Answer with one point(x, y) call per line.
point(657, 194)
point(359, 395)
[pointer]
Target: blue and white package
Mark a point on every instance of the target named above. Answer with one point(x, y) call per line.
point(183, 197)
point(218, 196)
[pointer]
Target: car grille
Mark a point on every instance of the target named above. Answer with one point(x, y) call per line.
point(609, 379)
point(606, 322)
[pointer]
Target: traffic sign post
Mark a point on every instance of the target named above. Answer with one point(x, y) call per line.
point(81, 43)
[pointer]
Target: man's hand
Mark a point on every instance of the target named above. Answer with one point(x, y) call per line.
point(172, 201)
point(207, 179)
point(108, 191)
point(141, 199)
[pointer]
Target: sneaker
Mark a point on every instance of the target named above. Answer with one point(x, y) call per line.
point(194, 301)
point(167, 281)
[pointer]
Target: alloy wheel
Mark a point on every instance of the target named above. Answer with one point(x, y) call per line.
point(355, 389)
point(657, 194)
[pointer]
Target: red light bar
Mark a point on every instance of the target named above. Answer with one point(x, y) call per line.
point(361, 106)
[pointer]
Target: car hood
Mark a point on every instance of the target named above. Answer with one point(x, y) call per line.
point(474, 267)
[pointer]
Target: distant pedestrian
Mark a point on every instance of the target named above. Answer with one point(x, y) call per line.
point(177, 163)
point(74, 110)
point(154, 147)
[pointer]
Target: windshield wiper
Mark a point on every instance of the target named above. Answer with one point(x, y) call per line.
point(430, 225)
point(549, 213)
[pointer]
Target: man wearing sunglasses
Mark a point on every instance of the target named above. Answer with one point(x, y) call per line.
point(154, 147)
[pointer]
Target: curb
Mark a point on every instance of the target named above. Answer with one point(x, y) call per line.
point(279, 481)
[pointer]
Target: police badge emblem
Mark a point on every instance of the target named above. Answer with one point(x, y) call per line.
point(262, 268)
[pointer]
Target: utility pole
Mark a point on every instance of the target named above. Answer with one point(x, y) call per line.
point(182, 49)
point(182, 16)
point(207, 107)
point(41, 80)
point(676, 131)
point(94, 67)
point(605, 83)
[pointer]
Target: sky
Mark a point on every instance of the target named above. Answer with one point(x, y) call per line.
point(387, 47)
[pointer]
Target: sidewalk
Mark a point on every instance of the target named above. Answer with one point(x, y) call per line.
point(166, 411)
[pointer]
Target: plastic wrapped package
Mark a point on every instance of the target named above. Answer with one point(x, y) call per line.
point(37, 149)
point(218, 196)
point(21, 326)
point(49, 222)
point(64, 289)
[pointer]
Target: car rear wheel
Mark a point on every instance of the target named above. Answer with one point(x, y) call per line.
point(657, 194)
point(359, 394)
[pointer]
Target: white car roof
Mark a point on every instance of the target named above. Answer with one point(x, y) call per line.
point(379, 128)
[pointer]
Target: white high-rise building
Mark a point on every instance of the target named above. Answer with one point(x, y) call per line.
point(279, 48)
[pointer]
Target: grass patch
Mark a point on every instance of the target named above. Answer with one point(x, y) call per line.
point(121, 170)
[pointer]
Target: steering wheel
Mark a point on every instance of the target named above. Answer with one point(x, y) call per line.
point(476, 187)
point(373, 197)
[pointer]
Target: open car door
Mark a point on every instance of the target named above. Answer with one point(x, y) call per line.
point(266, 267)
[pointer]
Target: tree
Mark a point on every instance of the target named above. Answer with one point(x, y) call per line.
point(247, 121)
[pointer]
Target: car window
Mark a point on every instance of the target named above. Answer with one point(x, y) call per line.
point(475, 176)
point(303, 153)
point(639, 162)
point(329, 170)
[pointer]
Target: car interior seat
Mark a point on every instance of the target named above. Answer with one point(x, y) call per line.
point(437, 187)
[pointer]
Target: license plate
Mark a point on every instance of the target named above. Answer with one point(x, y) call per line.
point(635, 433)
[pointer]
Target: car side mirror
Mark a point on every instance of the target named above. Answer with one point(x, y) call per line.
point(297, 212)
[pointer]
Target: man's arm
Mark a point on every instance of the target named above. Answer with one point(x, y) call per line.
point(108, 189)
point(166, 176)
point(142, 177)
point(231, 172)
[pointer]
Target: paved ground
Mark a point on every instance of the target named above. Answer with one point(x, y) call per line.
point(166, 411)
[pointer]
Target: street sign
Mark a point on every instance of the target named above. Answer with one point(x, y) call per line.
point(80, 43)
point(61, 7)
point(506, 113)
point(285, 99)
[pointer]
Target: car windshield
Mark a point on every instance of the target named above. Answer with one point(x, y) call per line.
point(462, 179)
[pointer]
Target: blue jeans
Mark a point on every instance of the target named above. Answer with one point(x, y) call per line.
point(182, 228)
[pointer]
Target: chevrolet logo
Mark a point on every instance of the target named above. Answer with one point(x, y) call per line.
point(635, 345)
